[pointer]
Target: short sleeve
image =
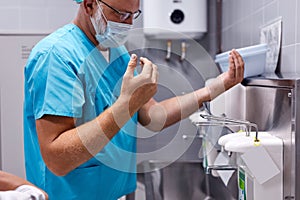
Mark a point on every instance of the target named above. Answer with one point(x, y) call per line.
point(55, 87)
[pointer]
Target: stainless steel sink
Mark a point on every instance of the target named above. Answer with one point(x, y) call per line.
point(184, 181)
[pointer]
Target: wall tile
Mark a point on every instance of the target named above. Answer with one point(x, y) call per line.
point(9, 4)
point(257, 5)
point(237, 35)
point(247, 31)
point(236, 9)
point(226, 40)
point(34, 15)
point(232, 37)
point(246, 7)
point(271, 11)
point(227, 14)
point(65, 4)
point(267, 1)
point(288, 56)
point(288, 13)
point(33, 19)
point(9, 19)
point(256, 25)
point(33, 3)
point(60, 18)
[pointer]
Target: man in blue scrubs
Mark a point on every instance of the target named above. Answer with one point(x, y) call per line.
point(83, 99)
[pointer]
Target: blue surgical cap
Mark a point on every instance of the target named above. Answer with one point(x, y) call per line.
point(78, 1)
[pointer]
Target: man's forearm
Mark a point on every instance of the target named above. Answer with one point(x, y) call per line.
point(10, 182)
point(165, 113)
point(77, 145)
point(105, 126)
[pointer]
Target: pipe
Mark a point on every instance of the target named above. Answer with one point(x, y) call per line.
point(169, 49)
point(183, 51)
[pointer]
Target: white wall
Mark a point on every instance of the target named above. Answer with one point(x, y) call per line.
point(16, 18)
point(35, 15)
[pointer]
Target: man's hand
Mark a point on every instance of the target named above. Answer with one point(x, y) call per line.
point(226, 80)
point(138, 90)
point(235, 73)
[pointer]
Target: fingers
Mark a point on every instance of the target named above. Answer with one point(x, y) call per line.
point(149, 69)
point(147, 66)
point(131, 65)
point(154, 74)
point(231, 66)
point(236, 64)
point(240, 67)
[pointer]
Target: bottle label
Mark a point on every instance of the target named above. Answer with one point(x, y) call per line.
point(242, 184)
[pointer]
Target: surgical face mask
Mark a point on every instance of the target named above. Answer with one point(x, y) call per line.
point(108, 33)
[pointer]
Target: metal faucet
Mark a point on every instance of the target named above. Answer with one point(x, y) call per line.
point(224, 121)
point(227, 121)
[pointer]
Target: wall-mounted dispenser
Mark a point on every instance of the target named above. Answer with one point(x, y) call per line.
point(175, 19)
point(260, 168)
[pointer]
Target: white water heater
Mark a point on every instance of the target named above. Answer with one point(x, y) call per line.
point(175, 19)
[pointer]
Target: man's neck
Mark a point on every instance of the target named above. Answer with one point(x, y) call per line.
point(82, 22)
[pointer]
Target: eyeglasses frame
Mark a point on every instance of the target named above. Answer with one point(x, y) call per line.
point(127, 14)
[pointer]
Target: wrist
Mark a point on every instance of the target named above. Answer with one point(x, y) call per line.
point(128, 104)
point(121, 111)
point(215, 87)
point(203, 95)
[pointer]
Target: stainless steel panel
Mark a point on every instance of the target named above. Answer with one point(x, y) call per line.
point(184, 180)
point(271, 109)
point(296, 138)
point(274, 105)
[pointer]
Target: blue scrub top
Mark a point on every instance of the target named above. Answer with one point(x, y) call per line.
point(67, 76)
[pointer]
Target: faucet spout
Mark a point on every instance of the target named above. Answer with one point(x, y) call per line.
point(228, 121)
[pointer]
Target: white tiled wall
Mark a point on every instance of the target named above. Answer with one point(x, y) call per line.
point(288, 12)
point(288, 63)
point(242, 20)
point(35, 16)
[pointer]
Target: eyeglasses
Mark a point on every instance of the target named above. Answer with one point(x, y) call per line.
point(123, 15)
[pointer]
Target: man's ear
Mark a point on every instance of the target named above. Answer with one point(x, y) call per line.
point(88, 6)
